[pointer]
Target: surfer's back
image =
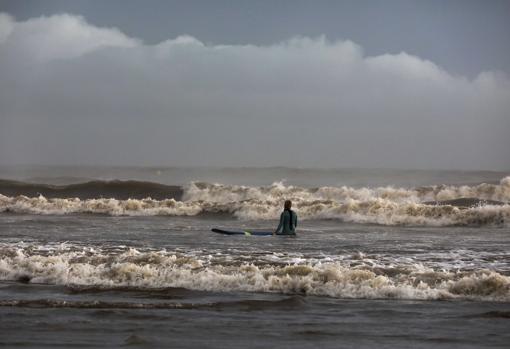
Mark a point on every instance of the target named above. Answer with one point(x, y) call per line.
point(288, 220)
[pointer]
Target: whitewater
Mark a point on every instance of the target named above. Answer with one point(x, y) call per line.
point(439, 205)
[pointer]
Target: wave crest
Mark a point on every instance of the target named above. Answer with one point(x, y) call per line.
point(209, 192)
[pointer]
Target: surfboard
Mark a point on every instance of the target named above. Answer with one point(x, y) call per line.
point(242, 232)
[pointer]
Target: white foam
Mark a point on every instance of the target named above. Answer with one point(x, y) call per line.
point(155, 269)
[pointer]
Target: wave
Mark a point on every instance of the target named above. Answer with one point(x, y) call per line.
point(376, 211)
point(163, 269)
point(483, 204)
point(292, 302)
point(48, 303)
point(278, 191)
point(117, 189)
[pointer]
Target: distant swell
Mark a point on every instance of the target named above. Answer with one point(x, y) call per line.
point(483, 204)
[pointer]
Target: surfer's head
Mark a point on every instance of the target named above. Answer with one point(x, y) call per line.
point(288, 204)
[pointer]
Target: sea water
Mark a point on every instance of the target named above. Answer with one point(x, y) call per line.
point(384, 258)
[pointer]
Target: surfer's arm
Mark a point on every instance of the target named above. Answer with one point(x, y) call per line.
point(280, 225)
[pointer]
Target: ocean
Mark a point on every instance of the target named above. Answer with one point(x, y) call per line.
point(125, 256)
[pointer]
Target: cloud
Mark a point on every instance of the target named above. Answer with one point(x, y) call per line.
point(6, 25)
point(72, 93)
point(57, 37)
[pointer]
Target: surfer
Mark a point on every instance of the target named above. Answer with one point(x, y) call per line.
point(288, 221)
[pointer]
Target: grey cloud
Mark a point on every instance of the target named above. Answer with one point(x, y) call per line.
point(75, 93)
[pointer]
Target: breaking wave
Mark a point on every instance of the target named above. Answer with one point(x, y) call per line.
point(77, 267)
point(483, 204)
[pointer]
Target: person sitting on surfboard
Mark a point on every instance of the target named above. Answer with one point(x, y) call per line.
point(288, 221)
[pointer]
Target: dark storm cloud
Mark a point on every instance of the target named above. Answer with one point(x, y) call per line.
point(75, 93)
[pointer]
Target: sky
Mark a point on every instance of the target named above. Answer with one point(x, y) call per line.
point(395, 84)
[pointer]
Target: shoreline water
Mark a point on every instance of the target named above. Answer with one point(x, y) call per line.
point(261, 321)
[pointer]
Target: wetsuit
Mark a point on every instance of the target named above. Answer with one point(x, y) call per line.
point(286, 218)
